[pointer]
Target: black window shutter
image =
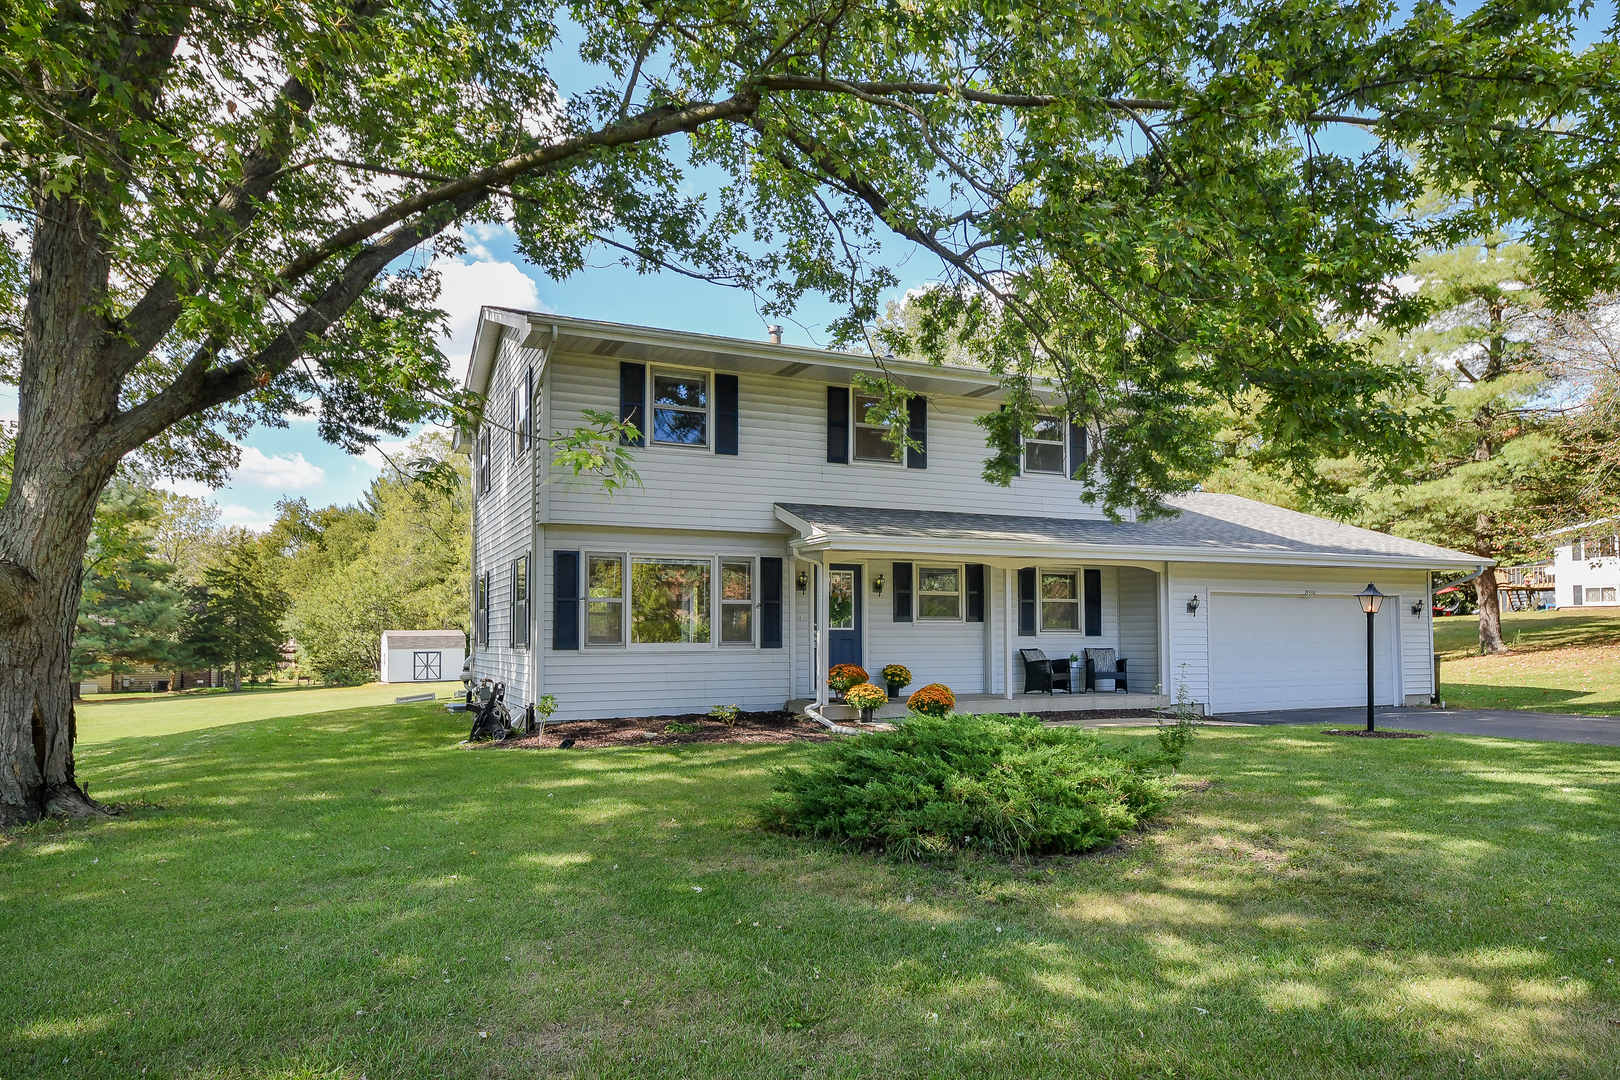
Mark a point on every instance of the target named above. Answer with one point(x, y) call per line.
point(725, 414)
point(975, 592)
point(1093, 581)
point(633, 401)
point(770, 603)
point(917, 432)
point(1026, 602)
point(838, 425)
point(902, 592)
point(565, 600)
point(1077, 451)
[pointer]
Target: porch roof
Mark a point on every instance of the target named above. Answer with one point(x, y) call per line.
point(1208, 528)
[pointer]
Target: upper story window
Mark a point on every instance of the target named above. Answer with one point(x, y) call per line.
point(872, 439)
point(680, 408)
point(1600, 547)
point(1043, 450)
point(483, 460)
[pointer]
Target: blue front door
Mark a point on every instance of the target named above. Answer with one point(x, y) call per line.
point(844, 614)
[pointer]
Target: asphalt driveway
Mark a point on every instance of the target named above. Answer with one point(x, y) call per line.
point(1503, 723)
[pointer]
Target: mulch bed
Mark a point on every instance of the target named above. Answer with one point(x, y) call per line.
point(776, 726)
point(1362, 733)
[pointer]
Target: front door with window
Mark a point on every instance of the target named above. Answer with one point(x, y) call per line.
point(844, 615)
point(426, 666)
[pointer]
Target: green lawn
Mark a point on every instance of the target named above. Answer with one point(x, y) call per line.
point(107, 717)
point(350, 895)
point(1559, 661)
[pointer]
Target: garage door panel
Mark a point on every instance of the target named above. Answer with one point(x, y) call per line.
point(1294, 652)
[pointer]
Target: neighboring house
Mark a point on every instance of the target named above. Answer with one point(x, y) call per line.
point(422, 655)
point(766, 500)
point(1586, 565)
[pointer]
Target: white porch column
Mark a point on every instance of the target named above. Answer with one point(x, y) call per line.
point(1009, 584)
point(819, 665)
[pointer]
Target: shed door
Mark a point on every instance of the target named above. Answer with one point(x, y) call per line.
point(1297, 652)
point(427, 666)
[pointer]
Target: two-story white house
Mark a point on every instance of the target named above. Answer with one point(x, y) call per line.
point(1586, 565)
point(774, 533)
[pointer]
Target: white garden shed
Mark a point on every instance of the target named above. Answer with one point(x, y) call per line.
point(422, 655)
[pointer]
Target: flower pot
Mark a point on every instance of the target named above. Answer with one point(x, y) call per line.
point(866, 715)
point(895, 689)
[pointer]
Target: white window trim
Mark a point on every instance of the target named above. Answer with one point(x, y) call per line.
point(1079, 601)
point(623, 600)
point(652, 407)
point(1062, 443)
point(917, 592)
point(855, 422)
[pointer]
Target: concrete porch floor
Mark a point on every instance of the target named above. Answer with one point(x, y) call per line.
point(1033, 704)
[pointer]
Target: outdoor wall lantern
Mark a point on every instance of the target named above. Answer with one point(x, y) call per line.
point(1192, 605)
point(1417, 608)
point(877, 584)
point(803, 580)
point(1370, 598)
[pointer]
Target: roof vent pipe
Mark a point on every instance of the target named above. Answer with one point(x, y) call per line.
point(776, 334)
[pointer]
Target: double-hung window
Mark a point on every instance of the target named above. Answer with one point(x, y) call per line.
point(481, 610)
point(872, 437)
point(1060, 601)
point(939, 592)
point(520, 601)
point(736, 601)
point(1043, 450)
point(669, 600)
point(483, 460)
point(526, 412)
point(680, 408)
point(604, 600)
point(1601, 548)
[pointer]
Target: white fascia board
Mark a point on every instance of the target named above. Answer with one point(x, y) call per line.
point(540, 334)
point(814, 542)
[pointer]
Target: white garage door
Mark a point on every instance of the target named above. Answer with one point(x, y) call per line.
point(1296, 652)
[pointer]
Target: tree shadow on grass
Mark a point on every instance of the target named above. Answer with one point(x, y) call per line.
point(348, 892)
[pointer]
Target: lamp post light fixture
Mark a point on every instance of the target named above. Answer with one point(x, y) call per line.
point(1370, 598)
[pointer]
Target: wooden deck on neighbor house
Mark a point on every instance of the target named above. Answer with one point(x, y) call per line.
point(1033, 704)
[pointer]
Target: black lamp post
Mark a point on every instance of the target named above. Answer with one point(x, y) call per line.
point(1370, 598)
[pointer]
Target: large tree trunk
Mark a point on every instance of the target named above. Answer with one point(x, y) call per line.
point(46, 519)
point(1486, 592)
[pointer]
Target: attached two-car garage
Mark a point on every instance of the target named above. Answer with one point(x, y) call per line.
point(1298, 652)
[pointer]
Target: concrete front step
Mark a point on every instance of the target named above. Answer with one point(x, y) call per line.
point(1033, 704)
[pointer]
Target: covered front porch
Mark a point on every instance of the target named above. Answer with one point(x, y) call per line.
point(984, 615)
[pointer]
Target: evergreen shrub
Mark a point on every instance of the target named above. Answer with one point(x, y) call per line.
point(999, 785)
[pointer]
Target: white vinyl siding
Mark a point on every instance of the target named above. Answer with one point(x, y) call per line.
point(782, 455)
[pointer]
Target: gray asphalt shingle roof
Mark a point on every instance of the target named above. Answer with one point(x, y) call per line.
point(1207, 523)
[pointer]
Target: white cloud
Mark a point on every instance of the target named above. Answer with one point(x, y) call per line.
point(467, 285)
point(195, 488)
point(242, 517)
point(373, 455)
point(279, 471)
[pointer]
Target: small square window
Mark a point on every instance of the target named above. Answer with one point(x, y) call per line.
point(1060, 602)
point(939, 592)
point(680, 409)
point(1606, 596)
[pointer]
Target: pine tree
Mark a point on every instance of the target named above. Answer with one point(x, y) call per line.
point(129, 613)
point(236, 613)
